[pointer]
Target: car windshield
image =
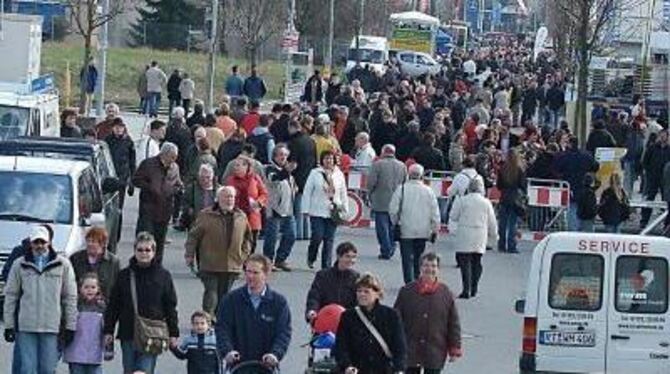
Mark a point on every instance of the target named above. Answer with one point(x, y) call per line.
point(372, 56)
point(13, 121)
point(35, 197)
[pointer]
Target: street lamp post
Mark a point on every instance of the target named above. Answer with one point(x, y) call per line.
point(100, 94)
point(211, 69)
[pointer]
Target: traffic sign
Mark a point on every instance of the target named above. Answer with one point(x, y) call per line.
point(290, 41)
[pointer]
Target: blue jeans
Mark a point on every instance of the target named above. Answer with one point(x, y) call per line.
point(285, 226)
point(586, 225)
point(630, 177)
point(16, 360)
point(553, 118)
point(301, 221)
point(134, 360)
point(573, 221)
point(153, 102)
point(614, 229)
point(507, 228)
point(39, 352)
point(85, 369)
point(384, 230)
point(323, 230)
point(410, 253)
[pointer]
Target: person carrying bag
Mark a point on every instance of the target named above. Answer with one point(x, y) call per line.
point(150, 336)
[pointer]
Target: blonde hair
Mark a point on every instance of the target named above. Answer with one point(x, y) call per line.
point(615, 185)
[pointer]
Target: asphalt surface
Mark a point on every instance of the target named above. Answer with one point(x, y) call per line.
point(491, 329)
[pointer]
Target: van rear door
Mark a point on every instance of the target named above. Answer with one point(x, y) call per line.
point(572, 308)
point(639, 324)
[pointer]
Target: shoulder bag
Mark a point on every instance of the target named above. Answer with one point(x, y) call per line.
point(375, 333)
point(150, 336)
point(337, 212)
point(396, 227)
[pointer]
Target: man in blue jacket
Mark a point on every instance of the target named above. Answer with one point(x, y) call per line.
point(254, 86)
point(254, 322)
point(234, 84)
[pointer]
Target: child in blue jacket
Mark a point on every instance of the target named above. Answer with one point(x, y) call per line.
point(199, 348)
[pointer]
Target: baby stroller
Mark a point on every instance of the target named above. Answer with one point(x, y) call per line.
point(324, 326)
point(251, 367)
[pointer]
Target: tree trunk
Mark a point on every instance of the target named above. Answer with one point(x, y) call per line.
point(82, 87)
point(583, 75)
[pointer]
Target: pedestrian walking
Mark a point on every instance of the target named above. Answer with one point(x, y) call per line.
point(513, 203)
point(279, 211)
point(40, 303)
point(303, 152)
point(199, 195)
point(430, 320)
point(144, 290)
point(335, 285)
point(414, 208)
point(234, 84)
point(199, 348)
point(614, 207)
point(85, 354)
point(587, 204)
point(156, 78)
point(473, 227)
point(251, 197)
point(174, 95)
point(158, 179)
point(96, 259)
point(324, 196)
point(88, 80)
point(69, 127)
point(254, 86)
point(122, 150)
point(187, 92)
point(254, 321)
point(370, 336)
point(218, 243)
point(199, 153)
point(386, 174)
point(149, 146)
point(654, 160)
point(105, 127)
point(262, 139)
point(142, 90)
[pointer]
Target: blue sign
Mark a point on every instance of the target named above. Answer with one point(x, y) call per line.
point(472, 16)
point(496, 13)
point(43, 83)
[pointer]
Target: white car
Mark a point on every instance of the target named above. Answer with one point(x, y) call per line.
point(415, 64)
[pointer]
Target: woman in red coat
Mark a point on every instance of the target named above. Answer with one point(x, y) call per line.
point(251, 196)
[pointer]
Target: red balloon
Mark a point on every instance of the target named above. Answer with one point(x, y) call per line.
point(328, 318)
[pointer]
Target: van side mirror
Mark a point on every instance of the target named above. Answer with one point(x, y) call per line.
point(520, 306)
point(110, 185)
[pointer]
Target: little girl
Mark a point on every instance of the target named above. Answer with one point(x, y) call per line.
point(85, 354)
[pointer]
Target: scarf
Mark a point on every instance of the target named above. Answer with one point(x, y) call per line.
point(427, 287)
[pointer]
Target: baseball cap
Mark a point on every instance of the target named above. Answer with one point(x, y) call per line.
point(39, 233)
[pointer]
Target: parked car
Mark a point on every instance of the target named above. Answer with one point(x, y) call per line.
point(416, 63)
point(97, 154)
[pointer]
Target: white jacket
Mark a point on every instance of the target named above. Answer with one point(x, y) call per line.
point(420, 214)
point(472, 223)
point(186, 88)
point(315, 202)
point(459, 186)
point(147, 147)
point(155, 79)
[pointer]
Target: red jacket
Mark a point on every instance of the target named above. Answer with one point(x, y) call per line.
point(250, 121)
point(249, 188)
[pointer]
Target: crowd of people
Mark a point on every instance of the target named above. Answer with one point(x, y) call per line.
point(493, 116)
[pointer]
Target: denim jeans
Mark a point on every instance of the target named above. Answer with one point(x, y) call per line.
point(384, 230)
point(586, 225)
point(301, 221)
point(573, 221)
point(630, 177)
point(507, 228)
point(286, 227)
point(553, 118)
point(39, 352)
point(85, 369)
point(16, 360)
point(410, 253)
point(323, 230)
point(136, 361)
point(153, 102)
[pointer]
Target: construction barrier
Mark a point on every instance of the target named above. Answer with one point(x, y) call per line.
point(548, 202)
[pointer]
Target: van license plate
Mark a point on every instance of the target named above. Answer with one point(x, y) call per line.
point(571, 339)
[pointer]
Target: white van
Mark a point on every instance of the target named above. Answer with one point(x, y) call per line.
point(597, 303)
point(374, 51)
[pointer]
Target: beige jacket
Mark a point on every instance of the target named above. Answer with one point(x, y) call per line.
point(45, 300)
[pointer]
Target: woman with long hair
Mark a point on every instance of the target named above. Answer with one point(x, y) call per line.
point(512, 185)
point(614, 207)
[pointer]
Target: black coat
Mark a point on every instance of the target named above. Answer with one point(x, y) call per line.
point(180, 135)
point(303, 152)
point(332, 286)
point(279, 128)
point(612, 210)
point(122, 150)
point(355, 346)
point(382, 133)
point(173, 87)
point(654, 161)
point(407, 144)
point(156, 299)
point(429, 157)
point(332, 92)
point(228, 151)
point(599, 138)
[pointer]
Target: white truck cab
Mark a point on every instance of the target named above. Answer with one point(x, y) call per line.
point(24, 113)
point(597, 303)
point(374, 51)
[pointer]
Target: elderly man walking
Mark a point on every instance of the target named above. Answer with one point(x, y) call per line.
point(40, 299)
point(158, 180)
point(414, 207)
point(386, 174)
point(219, 241)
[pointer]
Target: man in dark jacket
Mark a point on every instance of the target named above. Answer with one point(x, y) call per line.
point(555, 103)
point(335, 285)
point(333, 90)
point(254, 321)
point(254, 87)
point(313, 89)
point(303, 153)
point(122, 150)
point(179, 134)
point(158, 179)
point(279, 128)
point(599, 138)
point(174, 95)
point(198, 115)
point(427, 155)
point(530, 102)
point(571, 166)
point(262, 139)
point(654, 161)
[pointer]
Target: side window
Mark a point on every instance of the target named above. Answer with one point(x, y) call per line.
point(102, 167)
point(408, 57)
point(95, 191)
point(85, 196)
point(641, 285)
point(576, 282)
point(422, 60)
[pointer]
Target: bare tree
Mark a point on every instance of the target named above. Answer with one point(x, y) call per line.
point(584, 23)
point(255, 21)
point(86, 21)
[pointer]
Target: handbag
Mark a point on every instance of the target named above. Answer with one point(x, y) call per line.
point(150, 336)
point(396, 227)
point(337, 213)
point(375, 333)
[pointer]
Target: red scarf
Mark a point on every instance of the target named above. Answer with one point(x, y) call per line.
point(427, 287)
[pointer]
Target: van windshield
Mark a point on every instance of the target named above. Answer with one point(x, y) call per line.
point(13, 121)
point(371, 56)
point(35, 197)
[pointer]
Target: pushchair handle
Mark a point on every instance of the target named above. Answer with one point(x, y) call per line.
point(251, 367)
